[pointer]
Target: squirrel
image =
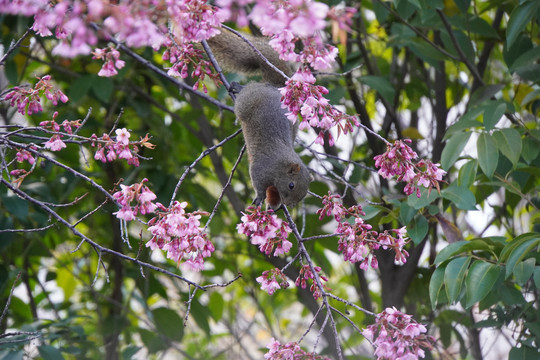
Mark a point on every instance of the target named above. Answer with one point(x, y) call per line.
point(276, 170)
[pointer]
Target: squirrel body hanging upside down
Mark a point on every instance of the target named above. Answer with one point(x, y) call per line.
point(276, 170)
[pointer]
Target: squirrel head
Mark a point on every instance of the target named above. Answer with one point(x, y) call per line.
point(291, 188)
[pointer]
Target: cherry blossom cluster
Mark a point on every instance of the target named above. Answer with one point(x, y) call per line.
point(357, 241)
point(55, 143)
point(266, 230)
point(136, 23)
point(180, 235)
point(271, 280)
point(398, 160)
point(24, 155)
point(134, 199)
point(302, 97)
point(119, 147)
point(21, 156)
point(112, 62)
point(289, 22)
point(185, 54)
point(194, 20)
point(306, 276)
point(289, 351)
point(28, 100)
point(396, 335)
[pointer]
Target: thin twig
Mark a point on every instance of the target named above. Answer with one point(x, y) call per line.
point(14, 46)
point(233, 170)
point(8, 302)
point(86, 239)
point(194, 163)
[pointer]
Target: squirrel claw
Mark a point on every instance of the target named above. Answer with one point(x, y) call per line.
point(257, 202)
point(235, 88)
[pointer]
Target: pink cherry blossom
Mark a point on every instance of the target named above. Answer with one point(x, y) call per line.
point(55, 143)
point(357, 240)
point(306, 276)
point(266, 230)
point(112, 62)
point(288, 351)
point(396, 335)
point(24, 155)
point(134, 199)
point(180, 235)
point(271, 280)
point(399, 160)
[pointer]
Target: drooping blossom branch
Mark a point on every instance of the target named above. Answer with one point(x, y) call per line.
point(290, 350)
point(399, 160)
point(180, 235)
point(134, 199)
point(301, 97)
point(28, 100)
point(119, 147)
point(271, 280)
point(357, 240)
point(85, 239)
point(266, 230)
point(396, 335)
point(111, 59)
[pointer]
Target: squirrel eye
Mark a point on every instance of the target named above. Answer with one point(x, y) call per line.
point(291, 185)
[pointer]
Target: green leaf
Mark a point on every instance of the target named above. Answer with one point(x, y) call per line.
point(424, 200)
point(13, 355)
point(530, 150)
point(435, 285)
point(406, 213)
point(103, 88)
point(151, 341)
point(417, 229)
point(168, 323)
point(529, 72)
point(493, 113)
point(527, 58)
point(536, 277)
point(480, 280)
point(15, 206)
point(488, 154)
point(80, 87)
point(215, 305)
point(130, 351)
point(453, 148)
point(467, 173)
point(461, 247)
point(524, 270)
point(523, 353)
point(449, 251)
point(48, 352)
point(461, 197)
point(454, 276)
point(508, 141)
point(381, 84)
point(519, 254)
point(463, 5)
point(484, 93)
point(511, 245)
point(200, 314)
point(463, 42)
point(519, 19)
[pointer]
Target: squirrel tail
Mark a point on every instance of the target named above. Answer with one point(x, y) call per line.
point(234, 54)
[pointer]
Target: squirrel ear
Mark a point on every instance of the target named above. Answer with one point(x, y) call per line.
point(294, 168)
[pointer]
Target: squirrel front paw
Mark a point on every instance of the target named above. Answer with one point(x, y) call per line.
point(235, 88)
point(257, 201)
